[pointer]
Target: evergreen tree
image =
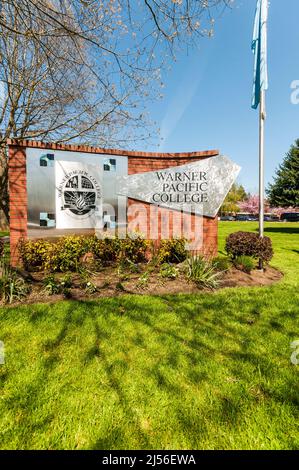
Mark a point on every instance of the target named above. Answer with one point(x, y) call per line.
point(284, 192)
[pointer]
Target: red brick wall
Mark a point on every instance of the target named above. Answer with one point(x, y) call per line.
point(210, 236)
point(208, 244)
point(138, 162)
point(17, 200)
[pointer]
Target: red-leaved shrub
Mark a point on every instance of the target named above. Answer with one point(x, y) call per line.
point(249, 244)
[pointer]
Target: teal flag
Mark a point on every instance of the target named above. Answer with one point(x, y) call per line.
point(259, 48)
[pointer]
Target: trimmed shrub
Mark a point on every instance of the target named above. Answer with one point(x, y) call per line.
point(61, 256)
point(245, 263)
point(65, 254)
point(69, 253)
point(34, 254)
point(109, 250)
point(172, 251)
point(105, 250)
point(132, 249)
point(249, 244)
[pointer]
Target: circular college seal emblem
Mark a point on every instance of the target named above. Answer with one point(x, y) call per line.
point(79, 192)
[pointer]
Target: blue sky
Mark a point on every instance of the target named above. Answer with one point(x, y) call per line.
point(207, 102)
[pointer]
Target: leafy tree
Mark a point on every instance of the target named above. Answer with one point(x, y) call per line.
point(251, 205)
point(236, 195)
point(83, 70)
point(284, 192)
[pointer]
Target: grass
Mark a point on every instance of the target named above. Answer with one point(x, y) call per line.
point(206, 371)
point(285, 238)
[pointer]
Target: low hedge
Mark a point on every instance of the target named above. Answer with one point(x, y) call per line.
point(67, 252)
point(172, 251)
point(34, 254)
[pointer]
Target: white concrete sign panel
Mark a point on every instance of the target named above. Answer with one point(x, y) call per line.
point(198, 187)
point(78, 195)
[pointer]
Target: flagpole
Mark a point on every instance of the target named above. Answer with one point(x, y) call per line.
point(262, 118)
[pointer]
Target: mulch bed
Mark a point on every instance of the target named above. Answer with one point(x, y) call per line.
point(112, 284)
point(236, 278)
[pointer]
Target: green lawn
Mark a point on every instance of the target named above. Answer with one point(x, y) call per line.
point(206, 371)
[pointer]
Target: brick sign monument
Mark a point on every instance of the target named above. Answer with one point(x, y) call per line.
point(58, 189)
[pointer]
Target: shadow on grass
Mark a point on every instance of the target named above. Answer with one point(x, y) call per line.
point(25, 399)
point(116, 437)
point(200, 347)
point(195, 329)
point(281, 229)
